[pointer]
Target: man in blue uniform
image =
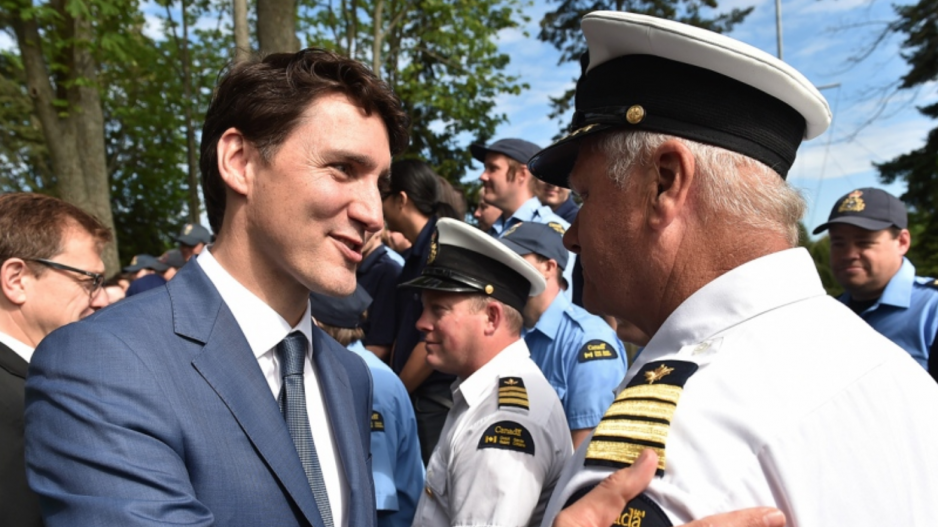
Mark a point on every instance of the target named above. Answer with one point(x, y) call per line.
point(395, 450)
point(578, 352)
point(869, 239)
point(378, 273)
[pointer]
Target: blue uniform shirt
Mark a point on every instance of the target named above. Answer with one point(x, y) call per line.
point(378, 274)
point(582, 359)
point(906, 313)
point(568, 210)
point(395, 450)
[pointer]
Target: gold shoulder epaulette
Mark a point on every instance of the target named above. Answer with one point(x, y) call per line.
point(511, 392)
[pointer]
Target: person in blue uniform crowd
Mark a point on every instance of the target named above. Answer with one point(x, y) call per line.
point(412, 203)
point(378, 273)
point(559, 199)
point(508, 184)
point(148, 273)
point(395, 463)
point(579, 353)
point(869, 239)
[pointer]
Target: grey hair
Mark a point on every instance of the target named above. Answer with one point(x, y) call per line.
point(513, 318)
point(732, 188)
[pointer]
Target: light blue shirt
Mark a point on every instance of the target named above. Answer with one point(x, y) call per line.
point(906, 313)
point(395, 450)
point(581, 357)
point(532, 210)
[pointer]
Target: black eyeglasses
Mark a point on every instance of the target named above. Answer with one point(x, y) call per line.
point(93, 285)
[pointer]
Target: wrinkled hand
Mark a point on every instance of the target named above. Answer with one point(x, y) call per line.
point(601, 506)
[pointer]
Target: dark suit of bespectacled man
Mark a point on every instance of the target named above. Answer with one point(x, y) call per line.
point(177, 406)
point(50, 276)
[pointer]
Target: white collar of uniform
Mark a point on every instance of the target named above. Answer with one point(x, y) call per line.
point(263, 327)
point(749, 290)
point(21, 349)
point(474, 388)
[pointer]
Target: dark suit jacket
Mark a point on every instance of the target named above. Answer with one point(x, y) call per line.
point(19, 506)
point(155, 411)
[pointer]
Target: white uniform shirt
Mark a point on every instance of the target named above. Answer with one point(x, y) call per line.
point(264, 328)
point(23, 350)
point(797, 404)
point(496, 463)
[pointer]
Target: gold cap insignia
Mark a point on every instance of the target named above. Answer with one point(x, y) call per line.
point(557, 227)
point(578, 131)
point(433, 250)
point(657, 374)
point(489, 289)
point(187, 229)
point(635, 114)
point(512, 229)
point(133, 261)
point(853, 202)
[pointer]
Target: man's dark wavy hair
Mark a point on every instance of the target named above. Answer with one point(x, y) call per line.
point(264, 99)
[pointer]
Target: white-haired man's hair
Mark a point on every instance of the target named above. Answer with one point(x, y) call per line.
point(731, 188)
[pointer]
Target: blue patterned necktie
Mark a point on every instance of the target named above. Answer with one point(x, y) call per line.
point(291, 353)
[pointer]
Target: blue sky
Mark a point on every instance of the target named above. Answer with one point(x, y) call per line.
point(819, 37)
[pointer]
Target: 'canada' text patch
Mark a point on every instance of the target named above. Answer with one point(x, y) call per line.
point(508, 435)
point(596, 350)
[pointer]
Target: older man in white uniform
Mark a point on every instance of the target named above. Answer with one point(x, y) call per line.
point(756, 388)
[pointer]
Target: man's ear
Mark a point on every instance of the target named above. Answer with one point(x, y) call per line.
point(494, 317)
point(905, 241)
point(674, 167)
point(15, 276)
point(235, 153)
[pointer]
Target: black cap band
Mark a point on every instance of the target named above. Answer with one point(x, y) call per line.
point(655, 94)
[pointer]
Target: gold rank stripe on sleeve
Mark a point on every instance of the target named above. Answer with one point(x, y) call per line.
point(640, 417)
point(511, 392)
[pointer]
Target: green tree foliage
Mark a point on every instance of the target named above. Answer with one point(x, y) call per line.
point(441, 58)
point(561, 28)
point(919, 24)
point(24, 160)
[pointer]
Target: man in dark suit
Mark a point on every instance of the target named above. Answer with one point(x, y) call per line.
point(213, 400)
point(50, 275)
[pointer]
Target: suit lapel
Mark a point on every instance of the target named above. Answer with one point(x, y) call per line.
point(228, 365)
point(335, 388)
point(12, 362)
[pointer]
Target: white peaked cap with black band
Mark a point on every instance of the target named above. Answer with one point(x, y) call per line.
point(464, 259)
point(646, 73)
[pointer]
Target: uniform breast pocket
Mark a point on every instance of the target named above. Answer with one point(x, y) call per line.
point(436, 480)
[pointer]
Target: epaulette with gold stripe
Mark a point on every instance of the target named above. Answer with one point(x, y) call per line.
point(511, 392)
point(640, 416)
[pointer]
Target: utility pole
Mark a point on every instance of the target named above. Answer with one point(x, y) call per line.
point(778, 27)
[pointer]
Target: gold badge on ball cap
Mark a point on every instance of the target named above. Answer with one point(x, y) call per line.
point(433, 250)
point(853, 202)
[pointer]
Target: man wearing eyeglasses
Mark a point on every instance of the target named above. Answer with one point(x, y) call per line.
point(50, 275)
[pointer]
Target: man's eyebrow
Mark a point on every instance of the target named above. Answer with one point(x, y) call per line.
point(354, 157)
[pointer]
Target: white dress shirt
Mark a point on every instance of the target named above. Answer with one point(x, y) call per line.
point(471, 480)
point(796, 403)
point(23, 350)
point(264, 328)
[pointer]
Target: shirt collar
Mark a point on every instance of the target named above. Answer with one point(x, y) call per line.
point(476, 386)
point(550, 320)
point(742, 293)
point(263, 327)
point(23, 350)
point(898, 291)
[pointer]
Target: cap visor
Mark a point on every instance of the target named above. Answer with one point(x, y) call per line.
point(857, 221)
point(439, 284)
point(478, 152)
point(554, 163)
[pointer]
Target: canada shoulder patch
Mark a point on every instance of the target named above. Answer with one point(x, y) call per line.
point(596, 350)
point(642, 511)
point(507, 435)
point(377, 422)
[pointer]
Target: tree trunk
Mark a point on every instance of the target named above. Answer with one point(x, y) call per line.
point(74, 135)
point(192, 158)
point(276, 26)
point(241, 35)
point(378, 38)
